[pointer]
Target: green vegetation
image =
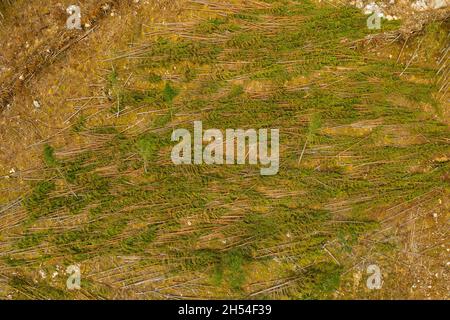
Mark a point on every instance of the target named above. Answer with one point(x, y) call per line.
point(289, 66)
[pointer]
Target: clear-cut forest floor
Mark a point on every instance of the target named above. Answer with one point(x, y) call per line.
point(86, 176)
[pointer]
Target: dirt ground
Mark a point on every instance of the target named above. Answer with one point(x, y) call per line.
point(48, 74)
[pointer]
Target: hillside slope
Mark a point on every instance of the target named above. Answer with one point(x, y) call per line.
point(87, 177)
